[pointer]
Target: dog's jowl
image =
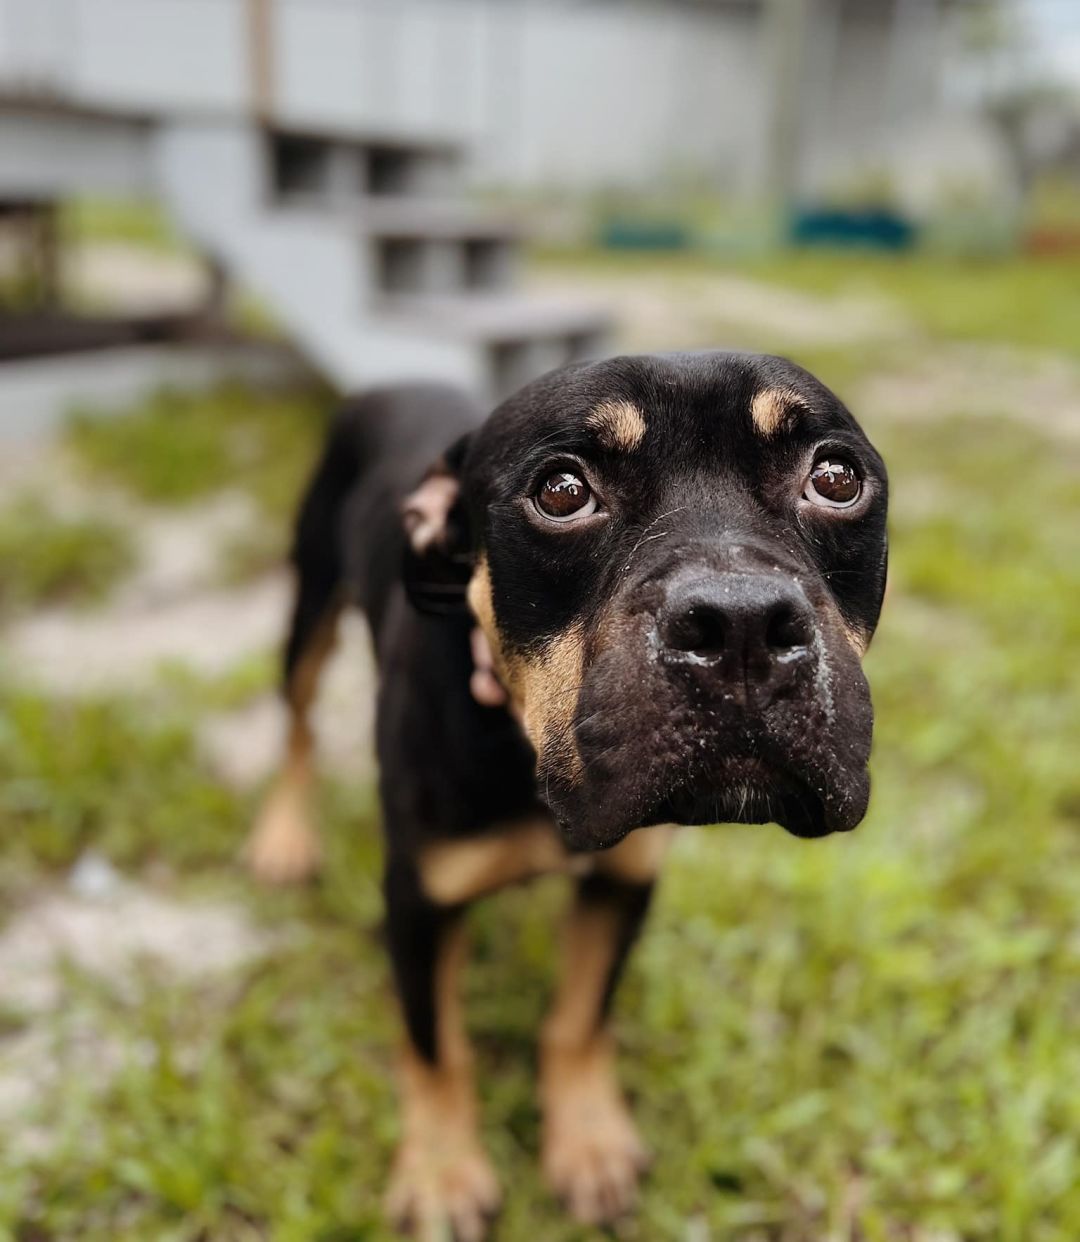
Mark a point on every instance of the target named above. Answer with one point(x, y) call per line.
point(634, 596)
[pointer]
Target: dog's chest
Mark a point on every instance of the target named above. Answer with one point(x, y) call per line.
point(453, 872)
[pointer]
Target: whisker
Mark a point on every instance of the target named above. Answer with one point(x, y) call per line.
point(645, 532)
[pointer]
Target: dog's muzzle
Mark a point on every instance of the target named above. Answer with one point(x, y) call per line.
point(729, 698)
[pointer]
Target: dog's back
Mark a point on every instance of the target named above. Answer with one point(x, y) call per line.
point(349, 536)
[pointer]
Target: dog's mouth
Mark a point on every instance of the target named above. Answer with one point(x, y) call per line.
point(800, 763)
point(751, 790)
point(736, 789)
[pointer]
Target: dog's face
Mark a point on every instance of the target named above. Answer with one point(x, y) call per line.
point(678, 562)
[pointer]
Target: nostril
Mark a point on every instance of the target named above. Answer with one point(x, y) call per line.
point(749, 622)
point(785, 629)
point(698, 628)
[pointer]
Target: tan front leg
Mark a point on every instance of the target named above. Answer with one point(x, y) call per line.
point(593, 1156)
point(442, 1184)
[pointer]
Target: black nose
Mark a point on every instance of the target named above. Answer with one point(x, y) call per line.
point(753, 628)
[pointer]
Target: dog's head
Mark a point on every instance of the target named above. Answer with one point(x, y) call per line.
point(678, 562)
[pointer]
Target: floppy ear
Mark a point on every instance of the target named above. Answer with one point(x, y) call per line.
point(438, 547)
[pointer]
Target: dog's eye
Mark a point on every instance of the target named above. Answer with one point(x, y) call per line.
point(565, 496)
point(833, 483)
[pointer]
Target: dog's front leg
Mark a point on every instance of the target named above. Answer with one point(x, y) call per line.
point(592, 1155)
point(442, 1183)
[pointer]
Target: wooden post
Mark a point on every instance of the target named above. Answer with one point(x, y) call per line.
point(261, 60)
point(49, 241)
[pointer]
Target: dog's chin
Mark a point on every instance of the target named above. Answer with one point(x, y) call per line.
point(741, 791)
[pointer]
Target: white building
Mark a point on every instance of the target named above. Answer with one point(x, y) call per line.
point(584, 94)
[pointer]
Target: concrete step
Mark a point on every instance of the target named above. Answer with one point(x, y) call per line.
point(323, 169)
point(422, 266)
point(422, 245)
point(520, 335)
point(495, 317)
point(440, 246)
point(438, 219)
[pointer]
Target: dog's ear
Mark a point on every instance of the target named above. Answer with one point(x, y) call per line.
point(438, 547)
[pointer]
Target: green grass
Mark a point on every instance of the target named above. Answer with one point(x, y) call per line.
point(116, 774)
point(49, 559)
point(178, 447)
point(874, 1033)
point(132, 221)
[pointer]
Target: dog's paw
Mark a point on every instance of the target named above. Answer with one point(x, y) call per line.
point(593, 1156)
point(442, 1189)
point(284, 847)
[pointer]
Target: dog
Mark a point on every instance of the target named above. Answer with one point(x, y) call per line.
point(635, 596)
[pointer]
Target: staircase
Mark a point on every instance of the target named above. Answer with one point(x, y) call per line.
point(377, 269)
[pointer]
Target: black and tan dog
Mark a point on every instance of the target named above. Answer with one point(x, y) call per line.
point(635, 595)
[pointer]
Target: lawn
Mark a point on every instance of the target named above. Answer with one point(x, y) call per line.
point(870, 1037)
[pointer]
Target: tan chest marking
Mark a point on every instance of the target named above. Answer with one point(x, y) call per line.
point(453, 872)
point(637, 859)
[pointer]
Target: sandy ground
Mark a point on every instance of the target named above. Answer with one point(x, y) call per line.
point(687, 311)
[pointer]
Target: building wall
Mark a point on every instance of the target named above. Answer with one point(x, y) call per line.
point(547, 93)
point(47, 155)
point(544, 93)
point(138, 54)
point(870, 73)
point(607, 95)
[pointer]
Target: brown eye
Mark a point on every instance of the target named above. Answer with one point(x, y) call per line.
point(565, 496)
point(833, 483)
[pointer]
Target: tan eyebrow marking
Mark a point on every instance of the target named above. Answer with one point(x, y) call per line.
point(618, 425)
point(774, 408)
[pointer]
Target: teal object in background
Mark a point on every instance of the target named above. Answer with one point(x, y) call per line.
point(877, 228)
point(626, 234)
